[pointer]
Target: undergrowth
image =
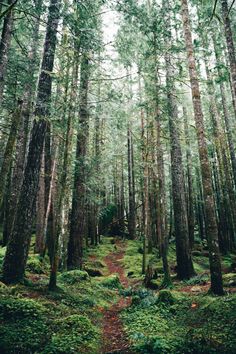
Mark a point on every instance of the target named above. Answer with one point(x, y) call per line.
point(177, 323)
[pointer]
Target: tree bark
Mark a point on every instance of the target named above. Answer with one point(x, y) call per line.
point(5, 46)
point(18, 246)
point(183, 255)
point(131, 217)
point(211, 224)
point(8, 154)
point(77, 230)
point(230, 48)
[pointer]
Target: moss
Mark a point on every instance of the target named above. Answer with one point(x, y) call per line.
point(191, 324)
point(24, 326)
point(111, 282)
point(37, 265)
point(73, 334)
point(73, 276)
point(229, 279)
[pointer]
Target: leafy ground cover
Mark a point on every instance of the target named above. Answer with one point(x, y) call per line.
point(105, 308)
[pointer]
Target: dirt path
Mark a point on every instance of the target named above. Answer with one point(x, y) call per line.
point(114, 337)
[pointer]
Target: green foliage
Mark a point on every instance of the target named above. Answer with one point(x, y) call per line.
point(166, 297)
point(11, 309)
point(200, 279)
point(2, 254)
point(37, 265)
point(189, 324)
point(111, 282)
point(23, 327)
point(73, 276)
point(73, 334)
point(106, 216)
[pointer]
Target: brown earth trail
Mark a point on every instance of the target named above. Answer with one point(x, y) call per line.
point(114, 338)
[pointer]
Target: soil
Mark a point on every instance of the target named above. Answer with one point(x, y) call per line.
point(114, 338)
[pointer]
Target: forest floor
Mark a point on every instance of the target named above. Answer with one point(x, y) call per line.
point(105, 309)
point(114, 338)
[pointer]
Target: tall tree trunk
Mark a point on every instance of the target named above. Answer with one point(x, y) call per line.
point(77, 230)
point(40, 211)
point(5, 46)
point(131, 216)
point(211, 224)
point(161, 207)
point(190, 192)
point(183, 254)
point(18, 246)
point(23, 134)
point(226, 114)
point(230, 48)
point(8, 154)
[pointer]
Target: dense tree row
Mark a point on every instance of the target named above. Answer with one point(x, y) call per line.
point(133, 137)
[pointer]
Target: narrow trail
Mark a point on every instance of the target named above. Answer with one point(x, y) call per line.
point(114, 338)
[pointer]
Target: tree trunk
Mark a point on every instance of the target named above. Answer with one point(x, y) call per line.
point(131, 217)
point(211, 224)
point(230, 48)
point(18, 246)
point(40, 211)
point(77, 231)
point(184, 260)
point(190, 191)
point(23, 134)
point(8, 154)
point(4, 47)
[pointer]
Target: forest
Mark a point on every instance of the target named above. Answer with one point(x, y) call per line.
point(117, 176)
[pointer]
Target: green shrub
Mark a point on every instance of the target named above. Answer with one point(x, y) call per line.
point(24, 328)
point(73, 276)
point(166, 297)
point(200, 279)
point(13, 309)
point(73, 334)
point(111, 282)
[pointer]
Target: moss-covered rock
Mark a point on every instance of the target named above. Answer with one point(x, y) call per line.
point(73, 276)
point(24, 326)
point(73, 334)
point(37, 265)
point(111, 282)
